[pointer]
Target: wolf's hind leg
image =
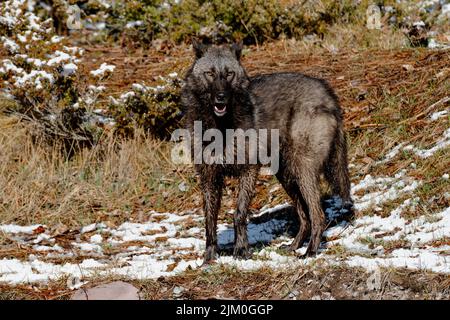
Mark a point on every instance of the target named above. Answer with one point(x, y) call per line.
point(292, 189)
point(336, 172)
point(308, 181)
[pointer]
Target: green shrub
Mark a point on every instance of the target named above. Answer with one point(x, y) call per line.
point(253, 21)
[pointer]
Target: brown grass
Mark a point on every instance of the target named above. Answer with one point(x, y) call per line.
point(39, 185)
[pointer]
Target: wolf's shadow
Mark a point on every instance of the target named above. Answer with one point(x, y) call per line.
point(270, 224)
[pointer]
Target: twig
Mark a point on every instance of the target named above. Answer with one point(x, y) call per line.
point(427, 110)
point(368, 126)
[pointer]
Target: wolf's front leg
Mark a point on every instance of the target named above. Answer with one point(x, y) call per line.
point(246, 194)
point(211, 185)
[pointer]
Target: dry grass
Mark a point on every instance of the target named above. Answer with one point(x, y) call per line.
point(39, 185)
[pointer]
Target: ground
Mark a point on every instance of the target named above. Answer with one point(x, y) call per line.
point(397, 247)
point(123, 211)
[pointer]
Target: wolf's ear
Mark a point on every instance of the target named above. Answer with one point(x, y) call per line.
point(236, 48)
point(199, 48)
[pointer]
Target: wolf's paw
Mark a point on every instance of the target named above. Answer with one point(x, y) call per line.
point(307, 254)
point(311, 251)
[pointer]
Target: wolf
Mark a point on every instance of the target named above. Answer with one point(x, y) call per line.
point(218, 92)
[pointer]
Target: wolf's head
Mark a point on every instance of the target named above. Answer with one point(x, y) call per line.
point(218, 76)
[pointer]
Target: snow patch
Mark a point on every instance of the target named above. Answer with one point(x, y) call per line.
point(103, 70)
point(165, 245)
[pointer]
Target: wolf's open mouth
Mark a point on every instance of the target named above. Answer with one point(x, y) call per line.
point(220, 110)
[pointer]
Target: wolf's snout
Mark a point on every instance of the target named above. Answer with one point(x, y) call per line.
point(221, 97)
point(220, 104)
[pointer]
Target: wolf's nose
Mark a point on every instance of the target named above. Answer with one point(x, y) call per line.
point(220, 97)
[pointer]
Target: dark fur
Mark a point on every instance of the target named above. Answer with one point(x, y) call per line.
point(312, 142)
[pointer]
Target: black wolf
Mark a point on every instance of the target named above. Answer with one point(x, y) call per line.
point(306, 112)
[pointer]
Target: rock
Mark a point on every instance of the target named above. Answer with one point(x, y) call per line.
point(117, 290)
point(327, 296)
point(293, 295)
point(407, 67)
point(361, 95)
point(373, 14)
point(74, 282)
point(374, 281)
point(178, 292)
point(183, 187)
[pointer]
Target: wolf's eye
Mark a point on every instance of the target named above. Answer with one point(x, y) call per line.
point(209, 74)
point(230, 74)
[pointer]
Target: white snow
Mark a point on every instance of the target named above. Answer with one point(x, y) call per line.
point(58, 57)
point(33, 21)
point(133, 24)
point(10, 45)
point(22, 38)
point(56, 39)
point(104, 69)
point(37, 62)
point(56, 248)
point(265, 259)
point(418, 259)
point(385, 189)
point(69, 69)
point(74, 50)
point(13, 229)
point(278, 207)
point(36, 77)
point(15, 271)
point(8, 20)
point(43, 237)
point(88, 228)
point(417, 231)
point(441, 143)
point(87, 246)
point(446, 8)
point(127, 95)
point(8, 66)
point(97, 89)
point(97, 238)
point(438, 114)
point(139, 87)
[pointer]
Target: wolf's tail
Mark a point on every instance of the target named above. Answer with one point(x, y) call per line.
point(336, 168)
